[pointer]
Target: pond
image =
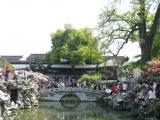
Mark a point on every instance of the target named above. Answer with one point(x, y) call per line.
point(70, 111)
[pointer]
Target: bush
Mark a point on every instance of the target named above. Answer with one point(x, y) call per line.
point(152, 69)
point(92, 78)
point(4, 64)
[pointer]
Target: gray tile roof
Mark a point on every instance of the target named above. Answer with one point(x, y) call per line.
point(32, 57)
point(11, 59)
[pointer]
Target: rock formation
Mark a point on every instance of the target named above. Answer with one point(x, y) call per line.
point(20, 93)
point(139, 108)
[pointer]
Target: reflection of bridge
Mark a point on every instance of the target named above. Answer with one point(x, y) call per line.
point(84, 94)
point(83, 110)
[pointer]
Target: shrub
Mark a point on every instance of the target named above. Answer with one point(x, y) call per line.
point(5, 63)
point(92, 78)
point(152, 69)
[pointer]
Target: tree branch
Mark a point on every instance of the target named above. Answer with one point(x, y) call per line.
point(155, 24)
point(126, 40)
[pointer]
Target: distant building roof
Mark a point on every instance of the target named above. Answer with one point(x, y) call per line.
point(11, 59)
point(33, 57)
point(17, 59)
point(115, 60)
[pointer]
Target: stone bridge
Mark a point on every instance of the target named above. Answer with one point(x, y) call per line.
point(83, 94)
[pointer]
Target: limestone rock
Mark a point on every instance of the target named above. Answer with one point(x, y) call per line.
point(24, 91)
point(4, 96)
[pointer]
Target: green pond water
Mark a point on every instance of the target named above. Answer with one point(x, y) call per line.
point(70, 111)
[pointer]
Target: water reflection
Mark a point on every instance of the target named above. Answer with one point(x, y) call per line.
point(83, 111)
point(70, 104)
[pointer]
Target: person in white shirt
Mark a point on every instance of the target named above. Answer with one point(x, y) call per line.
point(154, 85)
point(84, 84)
point(15, 75)
point(124, 86)
point(151, 94)
point(62, 85)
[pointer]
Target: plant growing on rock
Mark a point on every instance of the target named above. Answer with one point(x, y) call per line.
point(5, 63)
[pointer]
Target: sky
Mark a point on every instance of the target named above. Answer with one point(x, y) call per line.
point(26, 25)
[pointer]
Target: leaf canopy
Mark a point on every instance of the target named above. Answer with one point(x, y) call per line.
point(77, 46)
point(137, 23)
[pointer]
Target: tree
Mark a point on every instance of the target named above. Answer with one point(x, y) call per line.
point(156, 47)
point(139, 23)
point(37, 66)
point(74, 46)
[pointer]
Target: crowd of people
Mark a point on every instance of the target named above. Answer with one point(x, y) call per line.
point(46, 83)
point(151, 93)
point(149, 90)
point(120, 87)
point(72, 83)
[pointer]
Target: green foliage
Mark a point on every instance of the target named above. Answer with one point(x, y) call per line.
point(156, 47)
point(135, 64)
point(49, 58)
point(5, 63)
point(92, 78)
point(37, 66)
point(76, 46)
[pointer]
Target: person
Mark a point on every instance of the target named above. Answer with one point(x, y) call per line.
point(1, 73)
point(118, 85)
point(124, 86)
point(7, 73)
point(104, 87)
point(15, 75)
point(113, 89)
point(62, 85)
point(157, 90)
point(55, 84)
point(152, 94)
point(154, 85)
point(141, 95)
point(84, 84)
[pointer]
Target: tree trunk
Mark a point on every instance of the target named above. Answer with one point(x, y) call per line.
point(146, 51)
point(146, 41)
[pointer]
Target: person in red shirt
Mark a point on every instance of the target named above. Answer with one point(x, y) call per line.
point(113, 89)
